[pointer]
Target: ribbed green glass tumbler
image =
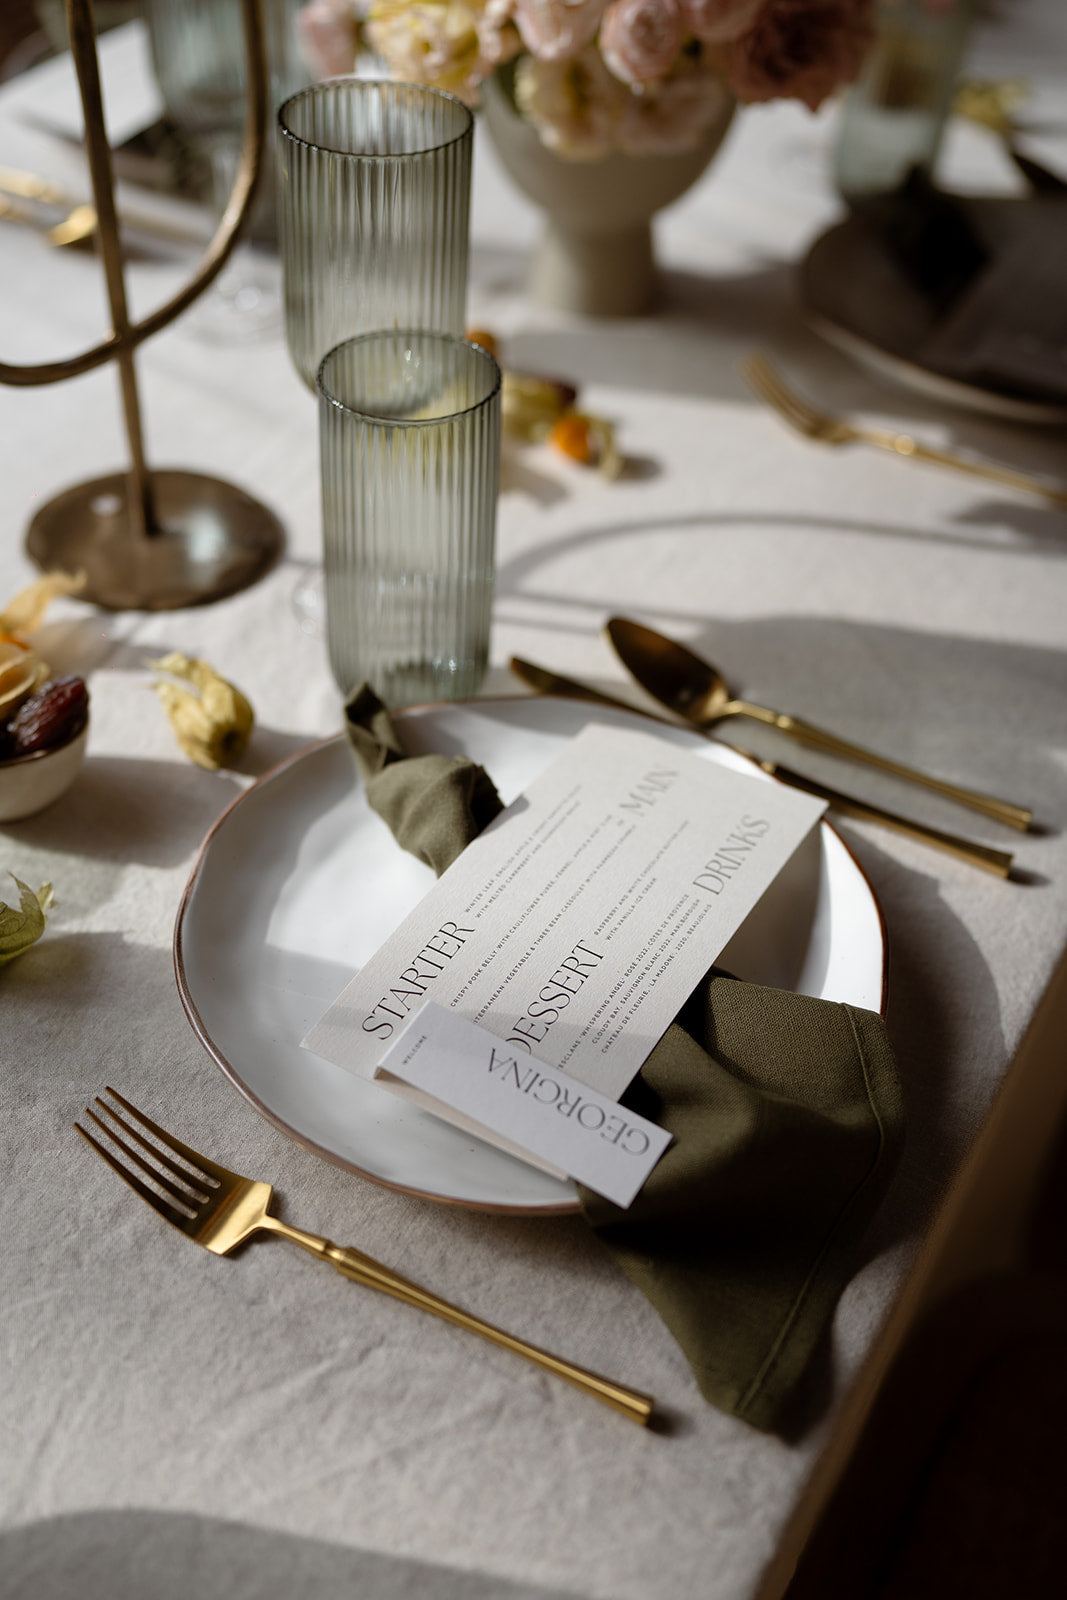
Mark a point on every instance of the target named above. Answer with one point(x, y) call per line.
point(410, 448)
point(374, 205)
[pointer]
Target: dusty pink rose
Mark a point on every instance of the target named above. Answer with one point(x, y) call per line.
point(800, 50)
point(554, 29)
point(639, 39)
point(718, 21)
point(328, 34)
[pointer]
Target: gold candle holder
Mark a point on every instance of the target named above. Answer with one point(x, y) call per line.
point(153, 540)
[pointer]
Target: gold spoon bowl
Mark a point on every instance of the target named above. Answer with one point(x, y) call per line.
point(692, 688)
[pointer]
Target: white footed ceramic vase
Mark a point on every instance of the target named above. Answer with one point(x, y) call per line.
point(595, 254)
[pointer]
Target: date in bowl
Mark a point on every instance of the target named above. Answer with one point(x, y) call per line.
point(55, 724)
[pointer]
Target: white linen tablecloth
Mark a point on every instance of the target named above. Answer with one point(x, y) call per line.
point(176, 1423)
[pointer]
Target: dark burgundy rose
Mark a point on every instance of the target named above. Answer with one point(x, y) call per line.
point(800, 50)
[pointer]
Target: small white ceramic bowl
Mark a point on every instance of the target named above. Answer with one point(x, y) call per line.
point(31, 782)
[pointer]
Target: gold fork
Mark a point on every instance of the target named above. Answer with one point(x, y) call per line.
point(766, 382)
point(79, 224)
point(220, 1210)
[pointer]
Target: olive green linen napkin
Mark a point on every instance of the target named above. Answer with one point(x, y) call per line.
point(435, 805)
point(787, 1120)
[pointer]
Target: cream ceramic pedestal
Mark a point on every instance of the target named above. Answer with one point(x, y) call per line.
point(595, 255)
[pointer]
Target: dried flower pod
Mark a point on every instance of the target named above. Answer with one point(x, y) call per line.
point(529, 405)
point(25, 612)
point(21, 672)
point(213, 724)
point(483, 337)
point(588, 439)
point(22, 927)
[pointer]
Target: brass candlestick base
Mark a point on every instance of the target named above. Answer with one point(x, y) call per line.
point(213, 540)
point(153, 541)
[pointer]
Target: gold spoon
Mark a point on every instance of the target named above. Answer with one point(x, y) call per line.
point(998, 862)
point(693, 689)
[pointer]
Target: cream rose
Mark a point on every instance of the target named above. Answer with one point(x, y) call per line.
point(673, 116)
point(575, 105)
point(451, 44)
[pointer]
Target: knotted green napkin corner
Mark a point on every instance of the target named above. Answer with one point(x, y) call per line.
point(786, 1114)
point(435, 805)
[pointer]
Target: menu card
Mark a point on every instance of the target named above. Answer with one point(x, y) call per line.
point(576, 925)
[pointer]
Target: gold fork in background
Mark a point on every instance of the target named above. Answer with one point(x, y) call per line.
point(827, 428)
point(220, 1210)
point(78, 226)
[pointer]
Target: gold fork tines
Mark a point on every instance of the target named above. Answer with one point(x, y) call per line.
point(220, 1209)
point(763, 379)
point(766, 382)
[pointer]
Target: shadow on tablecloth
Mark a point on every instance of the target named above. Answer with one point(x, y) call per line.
point(161, 1555)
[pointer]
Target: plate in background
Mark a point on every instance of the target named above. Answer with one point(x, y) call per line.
point(859, 300)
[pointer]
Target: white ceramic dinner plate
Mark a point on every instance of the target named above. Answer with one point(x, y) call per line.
point(299, 883)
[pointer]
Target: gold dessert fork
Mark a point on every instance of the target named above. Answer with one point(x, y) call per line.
point(220, 1210)
point(766, 382)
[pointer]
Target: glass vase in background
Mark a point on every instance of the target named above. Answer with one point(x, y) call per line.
point(410, 450)
point(198, 57)
point(893, 118)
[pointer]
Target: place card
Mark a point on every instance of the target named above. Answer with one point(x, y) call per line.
point(509, 1096)
point(577, 924)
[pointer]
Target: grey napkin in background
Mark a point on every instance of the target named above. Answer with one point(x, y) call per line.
point(1008, 329)
point(786, 1112)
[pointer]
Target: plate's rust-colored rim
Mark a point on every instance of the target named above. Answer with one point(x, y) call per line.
point(563, 1208)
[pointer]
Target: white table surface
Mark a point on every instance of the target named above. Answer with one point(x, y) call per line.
point(171, 1422)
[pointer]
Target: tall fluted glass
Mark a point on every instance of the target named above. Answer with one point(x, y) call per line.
point(410, 442)
point(374, 202)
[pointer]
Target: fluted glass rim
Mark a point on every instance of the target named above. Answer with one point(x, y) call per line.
point(429, 335)
point(328, 84)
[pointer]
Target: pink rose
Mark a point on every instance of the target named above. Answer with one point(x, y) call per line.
point(718, 21)
point(640, 39)
point(801, 50)
point(553, 29)
point(328, 34)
